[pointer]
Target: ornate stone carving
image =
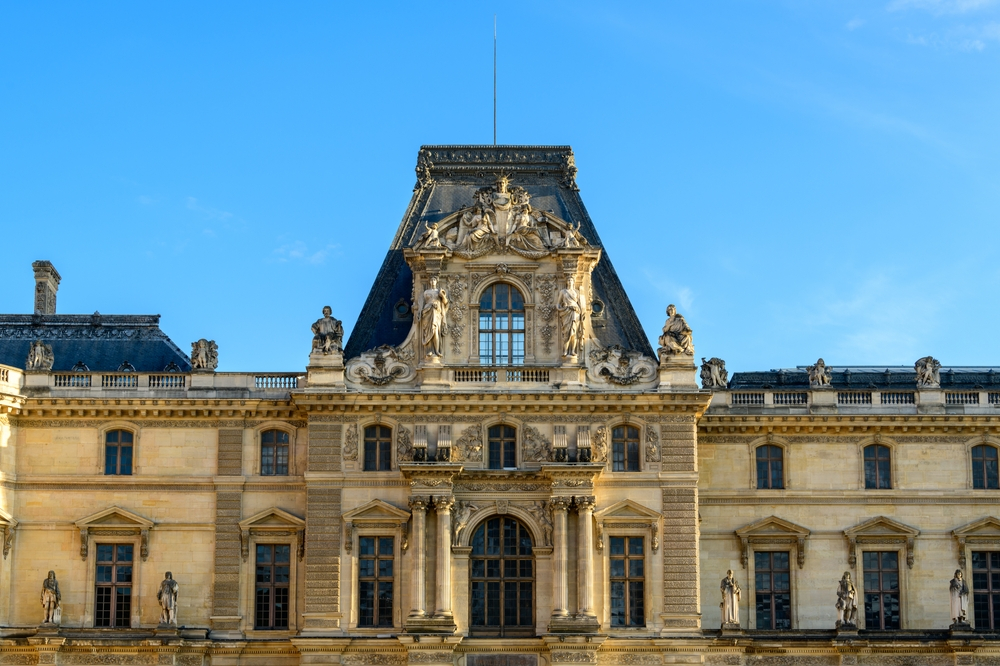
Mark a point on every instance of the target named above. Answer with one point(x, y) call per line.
point(677, 335)
point(469, 446)
point(572, 311)
point(167, 596)
point(535, 447)
point(430, 239)
point(432, 317)
point(430, 657)
point(959, 591)
point(351, 442)
point(847, 603)
point(619, 366)
point(373, 659)
point(458, 312)
point(380, 366)
point(730, 601)
point(652, 444)
point(404, 445)
point(599, 445)
point(819, 374)
point(928, 372)
point(574, 657)
point(463, 513)
point(546, 309)
point(51, 599)
point(328, 333)
point(714, 374)
point(542, 513)
point(40, 357)
point(204, 355)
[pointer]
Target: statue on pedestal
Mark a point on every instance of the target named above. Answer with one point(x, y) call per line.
point(40, 357)
point(51, 599)
point(677, 337)
point(204, 355)
point(847, 603)
point(819, 375)
point(328, 333)
point(167, 596)
point(730, 601)
point(959, 600)
point(571, 313)
point(433, 313)
point(928, 372)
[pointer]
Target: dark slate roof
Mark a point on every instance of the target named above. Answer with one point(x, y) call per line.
point(448, 178)
point(102, 342)
point(879, 378)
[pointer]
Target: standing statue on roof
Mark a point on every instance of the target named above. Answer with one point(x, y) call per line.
point(204, 355)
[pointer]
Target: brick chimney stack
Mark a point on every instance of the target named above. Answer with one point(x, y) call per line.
point(46, 285)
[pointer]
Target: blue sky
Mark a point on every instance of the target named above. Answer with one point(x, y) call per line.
point(803, 179)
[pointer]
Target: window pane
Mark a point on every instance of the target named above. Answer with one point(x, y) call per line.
point(617, 545)
point(110, 459)
point(618, 603)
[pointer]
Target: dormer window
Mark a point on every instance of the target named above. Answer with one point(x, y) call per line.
point(501, 326)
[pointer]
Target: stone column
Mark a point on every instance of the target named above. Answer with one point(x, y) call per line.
point(418, 505)
point(560, 596)
point(443, 506)
point(585, 557)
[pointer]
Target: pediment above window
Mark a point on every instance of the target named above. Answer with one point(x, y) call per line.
point(881, 531)
point(273, 522)
point(626, 515)
point(111, 522)
point(982, 532)
point(375, 515)
point(769, 531)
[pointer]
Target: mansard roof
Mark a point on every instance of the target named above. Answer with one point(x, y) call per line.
point(102, 342)
point(448, 178)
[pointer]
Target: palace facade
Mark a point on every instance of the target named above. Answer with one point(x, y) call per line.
point(496, 469)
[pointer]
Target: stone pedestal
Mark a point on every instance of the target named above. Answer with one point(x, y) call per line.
point(167, 631)
point(847, 631)
point(732, 629)
point(959, 628)
point(677, 372)
point(326, 370)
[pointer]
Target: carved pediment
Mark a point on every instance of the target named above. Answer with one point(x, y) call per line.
point(272, 522)
point(982, 532)
point(772, 530)
point(114, 521)
point(628, 514)
point(374, 514)
point(881, 530)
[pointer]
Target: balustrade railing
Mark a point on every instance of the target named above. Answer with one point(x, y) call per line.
point(748, 399)
point(801, 398)
point(494, 375)
point(961, 398)
point(854, 397)
point(276, 381)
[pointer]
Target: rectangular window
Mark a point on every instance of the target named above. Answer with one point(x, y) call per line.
point(985, 472)
point(274, 453)
point(113, 594)
point(273, 574)
point(375, 581)
point(625, 449)
point(772, 588)
point(118, 453)
point(378, 448)
point(770, 468)
point(986, 589)
point(881, 570)
point(627, 565)
point(502, 447)
point(877, 467)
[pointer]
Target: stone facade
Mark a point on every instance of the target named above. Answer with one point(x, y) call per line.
point(343, 514)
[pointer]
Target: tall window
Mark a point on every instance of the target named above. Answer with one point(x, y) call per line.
point(502, 579)
point(984, 467)
point(271, 591)
point(375, 578)
point(770, 467)
point(877, 467)
point(986, 589)
point(628, 577)
point(772, 589)
point(502, 447)
point(113, 596)
point(378, 448)
point(501, 326)
point(881, 589)
point(274, 453)
point(624, 449)
point(118, 452)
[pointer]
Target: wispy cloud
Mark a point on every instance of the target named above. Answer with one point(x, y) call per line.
point(854, 23)
point(145, 200)
point(960, 38)
point(299, 251)
point(939, 7)
point(680, 295)
point(208, 212)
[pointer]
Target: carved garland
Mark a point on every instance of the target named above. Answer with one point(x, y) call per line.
point(351, 442)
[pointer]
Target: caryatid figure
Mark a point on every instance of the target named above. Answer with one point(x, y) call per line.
point(433, 313)
point(571, 313)
point(167, 596)
point(51, 598)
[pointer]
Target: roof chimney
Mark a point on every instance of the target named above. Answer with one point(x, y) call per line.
point(46, 285)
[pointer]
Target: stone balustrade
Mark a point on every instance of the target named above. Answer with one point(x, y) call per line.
point(836, 400)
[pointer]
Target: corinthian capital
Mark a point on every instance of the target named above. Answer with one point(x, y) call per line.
point(585, 503)
point(446, 503)
point(418, 503)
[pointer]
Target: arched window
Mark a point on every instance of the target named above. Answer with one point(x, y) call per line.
point(502, 447)
point(770, 467)
point(984, 468)
point(624, 449)
point(118, 453)
point(502, 579)
point(501, 326)
point(274, 453)
point(378, 448)
point(877, 466)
